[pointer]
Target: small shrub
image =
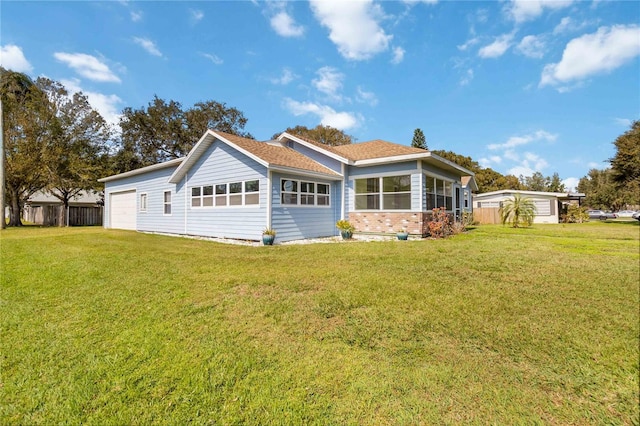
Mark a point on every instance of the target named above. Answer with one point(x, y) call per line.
point(575, 214)
point(441, 225)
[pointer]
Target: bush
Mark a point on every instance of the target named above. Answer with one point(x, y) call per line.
point(575, 214)
point(441, 225)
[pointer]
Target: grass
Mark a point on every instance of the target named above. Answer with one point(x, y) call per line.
point(496, 326)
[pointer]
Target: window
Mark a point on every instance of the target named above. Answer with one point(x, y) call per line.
point(388, 193)
point(226, 194)
point(143, 202)
point(304, 193)
point(167, 202)
point(439, 193)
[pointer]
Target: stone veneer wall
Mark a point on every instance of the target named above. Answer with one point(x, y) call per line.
point(390, 222)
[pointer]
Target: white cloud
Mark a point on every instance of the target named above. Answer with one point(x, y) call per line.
point(196, 15)
point(594, 165)
point(526, 10)
point(532, 163)
point(513, 141)
point(366, 97)
point(88, 66)
point(148, 45)
point(287, 77)
point(623, 121)
point(213, 58)
point(12, 58)
point(497, 48)
point(398, 55)
point(328, 116)
point(532, 46)
point(602, 51)
point(106, 105)
point(329, 82)
point(571, 184)
point(353, 27)
point(466, 79)
point(284, 25)
point(469, 43)
point(135, 15)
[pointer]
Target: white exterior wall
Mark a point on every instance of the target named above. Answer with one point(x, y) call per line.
point(547, 206)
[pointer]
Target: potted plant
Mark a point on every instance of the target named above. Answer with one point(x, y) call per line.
point(402, 234)
point(346, 228)
point(268, 236)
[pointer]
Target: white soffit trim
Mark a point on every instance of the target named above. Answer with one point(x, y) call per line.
point(301, 172)
point(451, 164)
point(314, 147)
point(141, 170)
point(391, 159)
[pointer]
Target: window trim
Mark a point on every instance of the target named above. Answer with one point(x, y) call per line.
point(143, 207)
point(165, 203)
point(299, 193)
point(227, 195)
point(381, 192)
point(443, 192)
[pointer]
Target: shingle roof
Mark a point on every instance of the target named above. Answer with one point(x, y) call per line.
point(375, 149)
point(277, 155)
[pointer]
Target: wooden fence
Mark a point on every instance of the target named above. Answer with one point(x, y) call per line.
point(48, 215)
point(486, 215)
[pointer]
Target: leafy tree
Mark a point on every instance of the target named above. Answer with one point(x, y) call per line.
point(164, 130)
point(80, 146)
point(625, 164)
point(419, 140)
point(517, 210)
point(602, 192)
point(324, 134)
point(29, 133)
point(555, 184)
point(536, 182)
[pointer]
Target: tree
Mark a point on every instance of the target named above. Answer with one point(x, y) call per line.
point(602, 192)
point(164, 130)
point(517, 210)
point(419, 141)
point(536, 182)
point(555, 184)
point(625, 164)
point(324, 134)
point(30, 129)
point(81, 145)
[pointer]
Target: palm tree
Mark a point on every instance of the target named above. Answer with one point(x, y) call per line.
point(517, 210)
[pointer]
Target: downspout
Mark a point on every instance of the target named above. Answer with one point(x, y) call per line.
point(344, 188)
point(269, 198)
point(186, 199)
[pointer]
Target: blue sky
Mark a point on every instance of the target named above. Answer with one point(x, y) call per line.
point(520, 86)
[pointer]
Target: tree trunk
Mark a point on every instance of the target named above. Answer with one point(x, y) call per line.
point(15, 211)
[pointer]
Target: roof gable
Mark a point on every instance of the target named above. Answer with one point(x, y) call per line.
point(270, 156)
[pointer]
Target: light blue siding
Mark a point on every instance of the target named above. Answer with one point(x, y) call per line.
point(442, 173)
point(153, 183)
point(329, 162)
point(297, 222)
point(223, 164)
point(407, 167)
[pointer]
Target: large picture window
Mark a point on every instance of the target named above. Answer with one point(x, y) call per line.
point(439, 193)
point(386, 193)
point(234, 194)
point(304, 193)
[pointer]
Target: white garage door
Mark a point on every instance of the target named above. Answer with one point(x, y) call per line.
point(122, 210)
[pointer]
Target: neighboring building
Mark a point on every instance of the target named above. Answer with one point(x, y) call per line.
point(469, 187)
point(549, 205)
point(232, 187)
point(42, 208)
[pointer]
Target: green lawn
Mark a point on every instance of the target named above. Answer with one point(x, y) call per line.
point(495, 326)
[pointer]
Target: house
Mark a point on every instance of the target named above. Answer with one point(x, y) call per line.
point(549, 205)
point(43, 208)
point(232, 187)
point(469, 187)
